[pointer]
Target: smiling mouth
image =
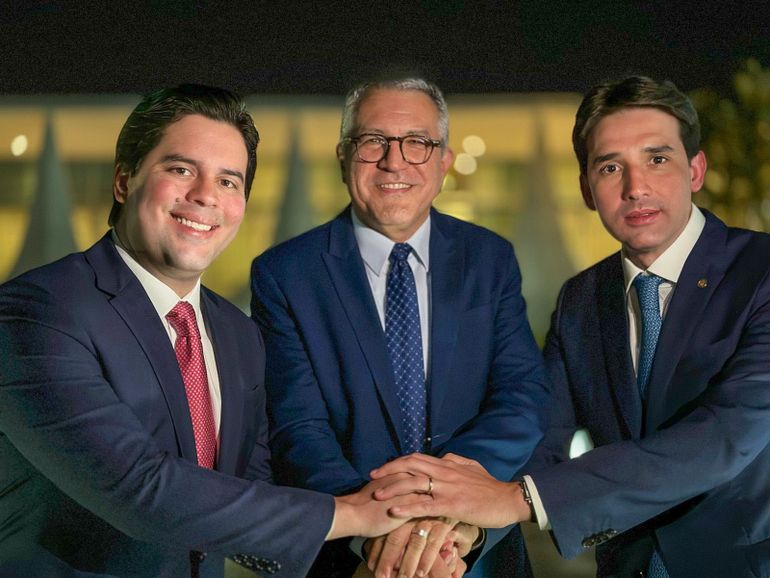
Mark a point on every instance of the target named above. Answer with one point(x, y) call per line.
point(394, 186)
point(194, 225)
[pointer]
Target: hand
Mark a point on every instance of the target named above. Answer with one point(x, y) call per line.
point(359, 514)
point(407, 549)
point(461, 489)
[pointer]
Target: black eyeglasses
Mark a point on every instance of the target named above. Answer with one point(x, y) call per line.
point(372, 148)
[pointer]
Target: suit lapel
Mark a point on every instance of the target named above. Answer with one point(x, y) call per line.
point(346, 270)
point(224, 340)
point(131, 302)
point(707, 260)
point(611, 305)
point(447, 275)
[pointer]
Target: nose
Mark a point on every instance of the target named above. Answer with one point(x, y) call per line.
point(203, 191)
point(635, 185)
point(393, 159)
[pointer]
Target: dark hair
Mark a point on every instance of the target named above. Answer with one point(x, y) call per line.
point(633, 92)
point(145, 126)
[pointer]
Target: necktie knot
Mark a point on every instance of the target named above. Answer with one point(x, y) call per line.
point(400, 252)
point(182, 319)
point(647, 287)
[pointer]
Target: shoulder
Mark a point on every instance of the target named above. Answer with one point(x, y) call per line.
point(297, 250)
point(479, 238)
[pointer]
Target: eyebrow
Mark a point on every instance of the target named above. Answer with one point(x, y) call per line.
point(650, 150)
point(183, 159)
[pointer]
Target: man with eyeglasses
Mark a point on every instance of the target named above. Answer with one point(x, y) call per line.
point(396, 329)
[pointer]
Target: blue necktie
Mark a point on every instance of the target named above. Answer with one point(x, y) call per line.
point(404, 339)
point(649, 305)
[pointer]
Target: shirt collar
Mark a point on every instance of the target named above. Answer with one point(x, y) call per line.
point(163, 297)
point(671, 262)
point(375, 247)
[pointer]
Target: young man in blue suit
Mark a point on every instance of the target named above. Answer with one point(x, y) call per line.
point(662, 353)
point(338, 396)
point(132, 407)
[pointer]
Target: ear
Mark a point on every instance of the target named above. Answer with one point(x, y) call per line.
point(446, 160)
point(698, 167)
point(585, 190)
point(341, 159)
point(120, 184)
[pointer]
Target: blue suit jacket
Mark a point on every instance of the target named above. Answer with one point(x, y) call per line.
point(691, 471)
point(97, 456)
point(331, 393)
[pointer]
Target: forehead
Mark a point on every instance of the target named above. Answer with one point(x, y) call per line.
point(643, 126)
point(195, 134)
point(397, 110)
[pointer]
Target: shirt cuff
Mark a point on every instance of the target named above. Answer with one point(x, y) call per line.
point(537, 504)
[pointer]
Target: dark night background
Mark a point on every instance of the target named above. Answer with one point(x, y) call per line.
point(324, 47)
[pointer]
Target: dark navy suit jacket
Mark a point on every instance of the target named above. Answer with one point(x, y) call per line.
point(689, 473)
point(97, 456)
point(331, 393)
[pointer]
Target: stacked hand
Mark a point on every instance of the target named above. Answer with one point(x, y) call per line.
point(412, 507)
point(460, 489)
point(427, 547)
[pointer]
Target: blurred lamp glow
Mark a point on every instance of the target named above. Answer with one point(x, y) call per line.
point(474, 145)
point(19, 145)
point(465, 164)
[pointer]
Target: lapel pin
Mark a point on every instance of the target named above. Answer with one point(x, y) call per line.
point(703, 283)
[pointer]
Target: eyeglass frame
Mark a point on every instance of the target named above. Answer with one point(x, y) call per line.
point(389, 139)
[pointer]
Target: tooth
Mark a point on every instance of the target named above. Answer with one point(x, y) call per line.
point(193, 224)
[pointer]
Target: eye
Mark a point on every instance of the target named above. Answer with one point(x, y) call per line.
point(373, 140)
point(609, 169)
point(229, 184)
point(181, 170)
point(658, 160)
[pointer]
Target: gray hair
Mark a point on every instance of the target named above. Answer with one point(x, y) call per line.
point(356, 96)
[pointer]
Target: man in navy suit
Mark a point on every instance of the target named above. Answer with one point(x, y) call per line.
point(117, 458)
point(662, 353)
point(321, 302)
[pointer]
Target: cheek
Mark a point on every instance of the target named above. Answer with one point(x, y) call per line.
point(234, 209)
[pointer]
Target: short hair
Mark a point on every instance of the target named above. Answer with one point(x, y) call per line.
point(634, 92)
point(357, 95)
point(145, 126)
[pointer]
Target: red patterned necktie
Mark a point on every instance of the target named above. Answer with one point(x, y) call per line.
point(189, 354)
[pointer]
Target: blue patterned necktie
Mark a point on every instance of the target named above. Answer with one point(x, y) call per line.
point(649, 305)
point(404, 339)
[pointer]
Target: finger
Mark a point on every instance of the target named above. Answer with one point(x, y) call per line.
point(410, 464)
point(400, 487)
point(375, 547)
point(460, 568)
point(393, 547)
point(418, 540)
point(436, 540)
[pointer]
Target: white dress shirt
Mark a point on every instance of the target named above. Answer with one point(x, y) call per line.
point(668, 266)
point(164, 299)
point(375, 251)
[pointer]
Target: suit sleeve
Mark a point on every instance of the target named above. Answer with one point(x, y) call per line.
point(708, 443)
point(562, 423)
point(305, 448)
point(512, 417)
point(59, 411)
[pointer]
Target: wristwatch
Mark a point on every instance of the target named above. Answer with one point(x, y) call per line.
point(528, 499)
